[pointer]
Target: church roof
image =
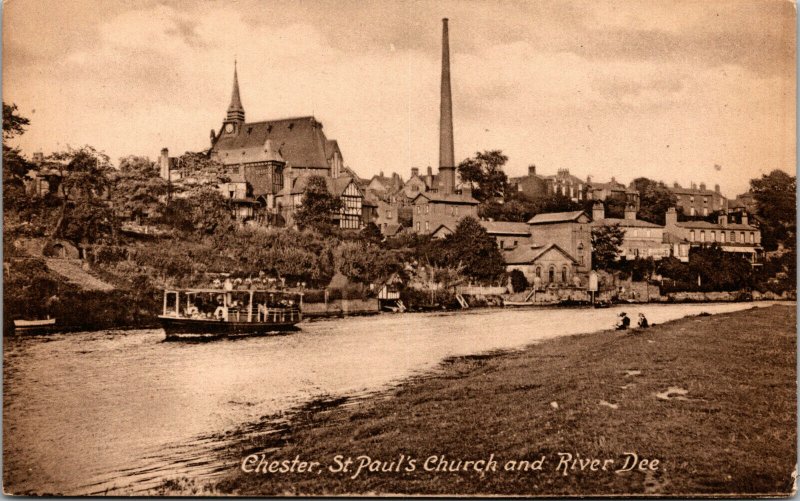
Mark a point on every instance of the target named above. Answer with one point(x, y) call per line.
point(300, 141)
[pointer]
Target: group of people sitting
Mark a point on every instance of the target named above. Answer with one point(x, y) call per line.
point(625, 322)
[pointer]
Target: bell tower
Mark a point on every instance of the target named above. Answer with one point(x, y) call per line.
point(235, 117)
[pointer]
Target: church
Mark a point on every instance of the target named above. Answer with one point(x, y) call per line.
point(269, 163)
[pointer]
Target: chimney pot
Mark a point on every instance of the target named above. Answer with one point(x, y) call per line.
point(702, 186)
point(430, 170)
point(531, 170)
point(414, 171)
point(716, 188)
point(630, 212)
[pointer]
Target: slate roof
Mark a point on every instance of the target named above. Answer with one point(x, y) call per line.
point(506, 227)
point(556, 217)
point(300, 141)
point(630, 223)
point(528, 254)
point(705, 225)
point(299, 184)
point(453, 198)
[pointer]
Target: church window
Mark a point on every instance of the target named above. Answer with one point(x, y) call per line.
point(539, 271)
point(564, 274)
point(551, 274)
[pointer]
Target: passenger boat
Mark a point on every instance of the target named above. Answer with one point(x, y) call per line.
point(225, 312)
point(34, 326)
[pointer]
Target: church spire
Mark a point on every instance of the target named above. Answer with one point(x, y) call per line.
point(235, 110)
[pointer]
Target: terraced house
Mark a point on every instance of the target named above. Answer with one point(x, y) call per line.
point(741, 238)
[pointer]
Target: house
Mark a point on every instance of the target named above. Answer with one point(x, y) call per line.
point(543, 265)
point(745, 202)
point(433, 210)
point(562, 183)
point(613, 190)
point(571, 231)
point(699, 201)
point(385, 185)
point(642, 239)
point(350, 216)
point(507, 234)
point(741, 238)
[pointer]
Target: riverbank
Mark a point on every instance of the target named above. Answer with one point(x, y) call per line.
point(712, 398)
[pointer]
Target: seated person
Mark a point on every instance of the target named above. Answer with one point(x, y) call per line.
point(643, 323)
point(624, 322)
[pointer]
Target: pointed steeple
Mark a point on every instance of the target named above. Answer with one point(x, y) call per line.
point(235, 110)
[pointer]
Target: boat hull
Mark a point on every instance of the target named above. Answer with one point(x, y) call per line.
point(34, 326)
point(188, 328)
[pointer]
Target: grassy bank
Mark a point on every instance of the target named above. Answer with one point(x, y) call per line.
point(712, 398)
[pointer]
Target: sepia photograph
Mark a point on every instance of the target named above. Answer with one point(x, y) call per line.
point(464, 248)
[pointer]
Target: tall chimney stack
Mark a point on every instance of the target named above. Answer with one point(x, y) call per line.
point(447, 165)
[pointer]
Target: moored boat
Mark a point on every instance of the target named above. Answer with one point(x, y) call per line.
point(212, 313)
point(34, 326)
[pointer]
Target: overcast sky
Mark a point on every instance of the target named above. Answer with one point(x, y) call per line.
point(662, 89)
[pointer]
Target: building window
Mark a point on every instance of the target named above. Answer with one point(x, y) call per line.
point(702, 236)
point(564, 274)
point(722, 236)
point(427, 226)
point(427, 208)
point(419, 209)
point(417, 226)
point(691, 235)
point(741, 234)
point(539, 271)
point(713, 236)
point(752, 237)
point(705, 200)
point(691, 211)
point(733, 236)
point(705, 211)
point(502, 244)
point(551, 274)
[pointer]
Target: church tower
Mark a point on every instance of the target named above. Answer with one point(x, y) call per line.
point(235, 118)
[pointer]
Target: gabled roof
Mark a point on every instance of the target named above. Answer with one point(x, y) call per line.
point(452, 198)
point(442, 227)
point(506, 228)
point(557, 217)
point(528, 254)
point(335, 187)
point(630, 223)
point(299, 140)
point(392, 229)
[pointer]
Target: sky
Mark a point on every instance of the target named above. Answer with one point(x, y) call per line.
point(679, 91)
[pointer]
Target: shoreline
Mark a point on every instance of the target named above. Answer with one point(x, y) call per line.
point(154, 324)
point(512, 394)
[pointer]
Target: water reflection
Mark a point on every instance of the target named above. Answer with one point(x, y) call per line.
point(94, 412)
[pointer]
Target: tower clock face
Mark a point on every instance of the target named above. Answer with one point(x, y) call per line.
point(228, 128)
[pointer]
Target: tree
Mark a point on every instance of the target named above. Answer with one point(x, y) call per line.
point(518, 281)
point(14, 164)
point(85, 182)
point(138, 188)
point(318, 206)
point(776, 205)
point(205, 212)
point(606, 243)
point(485, 173)
point(654, 199)
point(471, 248)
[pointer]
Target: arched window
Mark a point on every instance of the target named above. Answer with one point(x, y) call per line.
point(713, 236)
point(752, 237)
point(691, 235)
point(564, 274)
point(702, 235)
point(722, 236)
point(741, 234)
point(552, 274)
point(733, 236)
point(539, 271)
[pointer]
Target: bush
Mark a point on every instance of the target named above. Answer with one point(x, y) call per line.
point(518, 281)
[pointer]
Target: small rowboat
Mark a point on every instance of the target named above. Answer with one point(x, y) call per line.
point(34, 326)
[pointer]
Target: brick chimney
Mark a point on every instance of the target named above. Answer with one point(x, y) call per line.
point(598, 211)
point(676, 185)
point(447, 165)
point(163, 163)
point(414, 171)
point(430, 171)
point(671, 217)
point(532, 170)
point(716, 188)
point(745, 219)
point(722, 219)
point(630, 212)
point(702, 186)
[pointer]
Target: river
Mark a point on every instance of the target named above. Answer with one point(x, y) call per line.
point(121, 411)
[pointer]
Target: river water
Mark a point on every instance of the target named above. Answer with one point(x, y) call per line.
point(121, 411)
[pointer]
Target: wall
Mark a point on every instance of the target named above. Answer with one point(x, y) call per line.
point(567, 236)
point(436, 214)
